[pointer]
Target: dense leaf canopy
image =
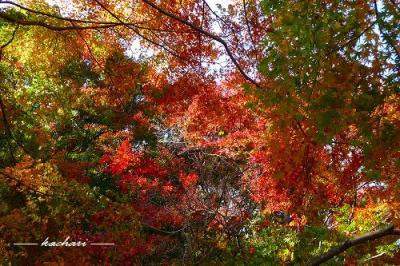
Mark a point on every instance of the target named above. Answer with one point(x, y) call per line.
point(193, 133)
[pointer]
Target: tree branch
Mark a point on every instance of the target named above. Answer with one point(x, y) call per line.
point(54, 27)
point(10, 40)
point(390, 230)
point(108, 24)
point(355, 38)
point(208, 34)
point(19, 183)
point(168, 49)
point(248, 24)
point(54, 16)
point(7, 130)
point(2, 107)
point(82, 21)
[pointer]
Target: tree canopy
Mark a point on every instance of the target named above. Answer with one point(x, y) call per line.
point(193, 133)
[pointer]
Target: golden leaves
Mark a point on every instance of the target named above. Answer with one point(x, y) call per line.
point(31, 175)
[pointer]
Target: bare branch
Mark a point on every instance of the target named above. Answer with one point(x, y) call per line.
point(168, 49)
point(248, 24)
point(390, 230)
point(10, 40)
point(53, 27)
point(206, 33)
point(82, 21)
point(54, 16)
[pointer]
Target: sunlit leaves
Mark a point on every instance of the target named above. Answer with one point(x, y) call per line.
point(143, 130)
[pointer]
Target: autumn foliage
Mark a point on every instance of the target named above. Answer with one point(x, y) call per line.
point(193, 133)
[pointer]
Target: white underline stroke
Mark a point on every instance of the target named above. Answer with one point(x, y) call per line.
point(102, 244)
point(25, 244)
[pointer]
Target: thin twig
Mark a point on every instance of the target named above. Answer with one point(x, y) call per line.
point(206, 33)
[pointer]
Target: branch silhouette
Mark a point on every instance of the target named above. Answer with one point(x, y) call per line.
point(387, 231)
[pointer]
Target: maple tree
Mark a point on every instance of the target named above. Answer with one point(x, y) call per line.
point(261, 132)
